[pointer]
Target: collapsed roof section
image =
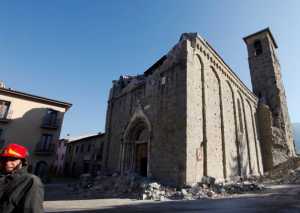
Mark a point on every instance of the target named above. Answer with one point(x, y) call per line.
point(126, 83)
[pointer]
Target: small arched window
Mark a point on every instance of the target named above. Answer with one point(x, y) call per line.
point(257, 48)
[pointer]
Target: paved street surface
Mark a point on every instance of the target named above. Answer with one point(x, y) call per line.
point(277, 199)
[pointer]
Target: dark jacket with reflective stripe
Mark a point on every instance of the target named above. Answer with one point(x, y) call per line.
point(21, 192)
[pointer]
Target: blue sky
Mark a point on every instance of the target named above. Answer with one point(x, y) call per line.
point(72, 50)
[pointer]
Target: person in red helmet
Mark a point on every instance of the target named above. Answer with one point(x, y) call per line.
point(20, 192)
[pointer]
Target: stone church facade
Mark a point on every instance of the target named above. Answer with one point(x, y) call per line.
point(189, 115)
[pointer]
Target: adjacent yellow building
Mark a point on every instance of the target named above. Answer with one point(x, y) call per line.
point(34, 122)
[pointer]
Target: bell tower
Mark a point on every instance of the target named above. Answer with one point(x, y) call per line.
point(268, 87)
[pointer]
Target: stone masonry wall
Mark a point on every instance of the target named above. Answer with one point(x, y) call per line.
point(222, 138)
point(268, 86)
point(201, 117)
point(162, 98)
point(265, 126)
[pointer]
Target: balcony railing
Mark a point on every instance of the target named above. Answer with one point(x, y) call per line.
point(50, 123)
point(44, 149)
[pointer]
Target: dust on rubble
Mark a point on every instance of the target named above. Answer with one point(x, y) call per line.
point(133, 186)
point(287, 172)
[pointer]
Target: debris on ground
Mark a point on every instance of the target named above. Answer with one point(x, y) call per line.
point(287, 172)
point(134, 186)
point(137, 187)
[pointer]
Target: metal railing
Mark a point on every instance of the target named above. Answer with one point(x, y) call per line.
point(43, 148)
point(49, 122)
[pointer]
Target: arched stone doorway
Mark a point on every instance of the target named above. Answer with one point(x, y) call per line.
point(135, 147)
point(141, 153)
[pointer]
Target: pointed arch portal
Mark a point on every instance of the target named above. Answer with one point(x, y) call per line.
point(135, 146)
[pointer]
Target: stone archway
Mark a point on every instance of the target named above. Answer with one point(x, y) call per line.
point(135, 147)
point(141, 153)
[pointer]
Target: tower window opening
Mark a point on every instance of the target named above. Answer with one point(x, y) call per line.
point(257, 48)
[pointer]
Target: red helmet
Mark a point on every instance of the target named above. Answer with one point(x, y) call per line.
point(15, 151)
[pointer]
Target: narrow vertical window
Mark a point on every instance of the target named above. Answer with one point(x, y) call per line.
point(257, 48)
point(46, 142)
point(4, 107)
point(51, 118)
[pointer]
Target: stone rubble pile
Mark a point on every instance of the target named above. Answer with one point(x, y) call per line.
point(137, 187)
point(293, 177)
point(154, 191)
point(285, 173)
